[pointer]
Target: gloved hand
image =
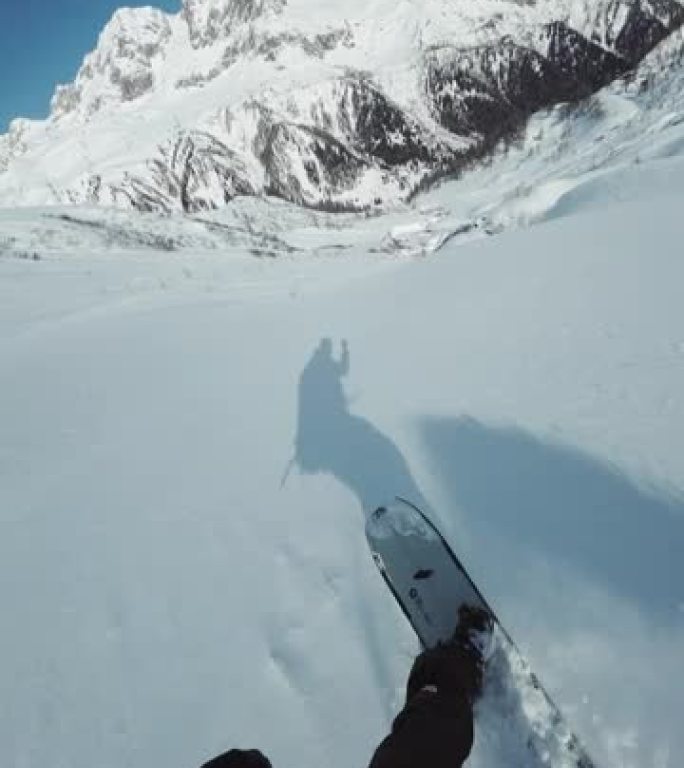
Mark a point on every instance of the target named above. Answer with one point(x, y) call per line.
point(448, 668)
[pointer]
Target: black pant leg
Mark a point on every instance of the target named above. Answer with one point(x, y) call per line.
point(435, 730)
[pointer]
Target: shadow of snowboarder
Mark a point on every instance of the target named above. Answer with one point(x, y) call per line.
point(557, 500)
point(332, 440)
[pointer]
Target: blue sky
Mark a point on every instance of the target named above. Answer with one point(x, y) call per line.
point(42, 43)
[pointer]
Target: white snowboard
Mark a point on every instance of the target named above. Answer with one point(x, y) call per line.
point(430, 585)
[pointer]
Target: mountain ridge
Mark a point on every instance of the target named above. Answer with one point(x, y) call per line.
point(250, 97)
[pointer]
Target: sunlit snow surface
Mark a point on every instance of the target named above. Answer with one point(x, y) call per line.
point(171, 585)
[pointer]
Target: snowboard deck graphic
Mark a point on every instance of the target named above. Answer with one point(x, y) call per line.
point(430, 585)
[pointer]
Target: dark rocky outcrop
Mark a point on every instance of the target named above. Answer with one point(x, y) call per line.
point(492, 90)
point(381, 129)
point(356, 130)
point(489, 90)
point(586, 65)
point(184, 175)
point(309, 166)
point(208, 20)
point(648, 23)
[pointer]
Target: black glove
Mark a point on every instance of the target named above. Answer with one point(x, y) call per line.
point(449, 669)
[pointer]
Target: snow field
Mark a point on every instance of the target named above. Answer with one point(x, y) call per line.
point(165, 597)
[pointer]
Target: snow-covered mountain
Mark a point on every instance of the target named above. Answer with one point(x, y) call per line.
point(569, 158)
point(172, 583)
point(353, 107)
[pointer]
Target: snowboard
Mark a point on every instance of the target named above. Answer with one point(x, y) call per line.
point(515, 715)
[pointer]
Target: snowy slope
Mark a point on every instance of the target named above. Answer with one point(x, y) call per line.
point(166, 595)
point(355, 107)
point(172, 584)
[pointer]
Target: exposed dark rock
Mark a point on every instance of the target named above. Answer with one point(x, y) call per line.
point(647, 24)
point(121, 65)
point(183, 174)
point(208, 20)
point(382, 130)
point(356, 129)
point(490, 90)
point(269, 46)
point(307, 165)
point(586, 63)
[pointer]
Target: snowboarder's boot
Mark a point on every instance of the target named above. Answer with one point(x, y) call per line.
point(474, 630)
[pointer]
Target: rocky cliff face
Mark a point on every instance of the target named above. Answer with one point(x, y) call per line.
point(251, 97)
point(632, 29)
point(210, 20)
point(489, 91)
point(121, 68)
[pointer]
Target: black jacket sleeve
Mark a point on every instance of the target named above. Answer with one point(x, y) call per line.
point(435, 728)
point(433, 731)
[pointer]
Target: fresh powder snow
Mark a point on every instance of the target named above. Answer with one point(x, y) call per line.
point(198, 412)
point(166, 595)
